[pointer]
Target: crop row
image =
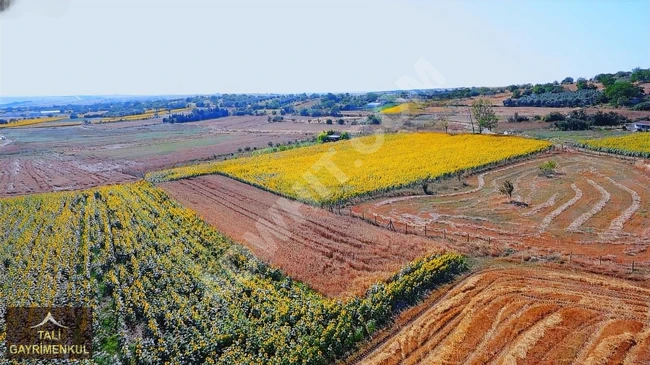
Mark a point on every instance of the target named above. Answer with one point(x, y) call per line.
point(166, 287)
point(637, 144)
point(334, 172)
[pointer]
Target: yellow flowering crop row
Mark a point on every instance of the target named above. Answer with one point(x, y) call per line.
point(28, 122)
point(332, 172)
point(637, 144)
point(410, 108)
point(147, 115)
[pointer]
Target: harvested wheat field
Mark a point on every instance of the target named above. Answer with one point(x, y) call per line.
point(527, 316)
point(335, 255)
point(596, 206)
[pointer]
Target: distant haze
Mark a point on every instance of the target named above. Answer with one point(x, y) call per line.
point(106, 47)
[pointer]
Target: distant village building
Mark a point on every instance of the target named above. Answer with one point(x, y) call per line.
point(640, 126)
point(50, 111)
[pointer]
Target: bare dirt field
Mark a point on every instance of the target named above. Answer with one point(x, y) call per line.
point(20, 176)
point(527, 316)
point(335, 255)
point(594, 207)
point(46, 159)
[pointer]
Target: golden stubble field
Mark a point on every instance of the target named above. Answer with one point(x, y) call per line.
point(527, 316)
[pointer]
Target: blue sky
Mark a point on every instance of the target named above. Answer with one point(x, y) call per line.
point(79, 47)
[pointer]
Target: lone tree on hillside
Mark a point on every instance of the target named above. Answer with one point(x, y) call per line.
point(484, 114)
point(444, 124)
point(373, 119)
point(507, 188)
point(469, 117)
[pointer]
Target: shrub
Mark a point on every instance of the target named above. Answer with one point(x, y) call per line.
point(578, 120)
point(554, 117)
point(607, 119)
point(642, 106)
point(548, 168)
point(517, 118)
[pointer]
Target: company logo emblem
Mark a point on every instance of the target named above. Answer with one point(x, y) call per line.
point(49, 319)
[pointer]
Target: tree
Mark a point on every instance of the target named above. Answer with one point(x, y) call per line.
point(607, 80)
point(373, 119)
point(620, 92)
point(567, 80)
point(469, 116)
point(640, 75)
point(484, 114)
point(444, 124)
point(577, 120)
point(583, 84)
point(516, 94)
point(507, 188)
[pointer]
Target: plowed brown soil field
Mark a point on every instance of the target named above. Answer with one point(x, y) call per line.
point(527, 316)
point(335, 255)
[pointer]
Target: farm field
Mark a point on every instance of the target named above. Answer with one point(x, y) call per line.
point(526, 316)
point(25, 175)
point(69, 158)
point(637, 144)
point(335, 172)
point(166, 287)
point(30, 122)
point(594, 206)
point(335, 255)
point(426, 116)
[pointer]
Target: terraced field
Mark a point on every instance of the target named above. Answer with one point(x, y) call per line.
point(527, 316)
point(598, 206)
